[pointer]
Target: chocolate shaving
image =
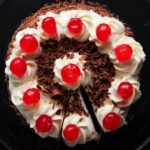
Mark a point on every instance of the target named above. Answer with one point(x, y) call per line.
point(58, 111)
point(56, 92)
point(75, 104)
point(100, 65)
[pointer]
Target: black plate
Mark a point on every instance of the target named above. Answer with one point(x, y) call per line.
point(15, 136)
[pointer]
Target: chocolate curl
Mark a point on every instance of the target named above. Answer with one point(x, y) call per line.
point(56, 92)
point(70, 56)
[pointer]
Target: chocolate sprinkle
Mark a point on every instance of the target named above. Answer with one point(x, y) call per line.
point(100, 65)
point(75, 104)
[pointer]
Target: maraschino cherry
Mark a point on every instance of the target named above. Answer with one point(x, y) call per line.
point(75, 26)
point(125, 90)
point(70, 73)
point(71, 132)
point(31, 96)
point(49, 26)
point(123, 53)
point(28, 44)
point(111, 121)
point(44, 123)
point(103, 32)
point(18, 67)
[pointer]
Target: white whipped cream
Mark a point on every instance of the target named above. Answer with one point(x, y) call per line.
point(107, 108)
point(31, 70)
point(134, 65)
point(59, 26)
point(49, 108)
point(117, 28)
point(85, 77)
point(85, 18)
point(17, 50)
point(17, 90)
point(116, 98)
point(87, 131)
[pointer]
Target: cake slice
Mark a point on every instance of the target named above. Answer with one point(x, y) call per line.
point(78, 127)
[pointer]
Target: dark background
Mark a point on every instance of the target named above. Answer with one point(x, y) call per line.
point(135, 136)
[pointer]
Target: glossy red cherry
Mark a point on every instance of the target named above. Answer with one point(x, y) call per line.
point(71, 132)
point(75, 26)
point(18, 67)
point(28, 44)
point(123, 53)
point(111, 121)
point(44, 123)
point(103, 32)
point(70, 73)
point(49, 26)
point(125, 90)
point(31, 96)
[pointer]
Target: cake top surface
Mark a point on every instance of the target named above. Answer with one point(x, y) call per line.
point(60, 48)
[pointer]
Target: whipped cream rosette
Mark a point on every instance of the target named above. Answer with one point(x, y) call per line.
point(76, 59)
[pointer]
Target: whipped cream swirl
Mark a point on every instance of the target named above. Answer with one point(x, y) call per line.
point(17, 50)
point(134, 65)
point(31, 71)
point(85, 18)
point(87, 131)
point(117, 99)
point(117, 28)
point(85, 77)
point(107, 108)
point(17, 91)
point(50, 108)
point(59, 26)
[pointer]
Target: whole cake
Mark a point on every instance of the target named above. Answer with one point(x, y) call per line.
point(62, 47)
